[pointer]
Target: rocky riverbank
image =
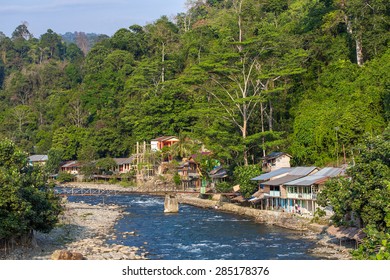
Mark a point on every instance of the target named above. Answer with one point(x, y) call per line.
point(327, 246)
point(83, 229)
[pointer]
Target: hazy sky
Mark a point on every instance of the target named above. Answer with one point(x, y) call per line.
point(98, 16)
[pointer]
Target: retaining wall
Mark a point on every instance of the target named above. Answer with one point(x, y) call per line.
point(282, 219)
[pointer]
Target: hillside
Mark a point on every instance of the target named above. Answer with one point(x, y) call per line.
point(243, 77)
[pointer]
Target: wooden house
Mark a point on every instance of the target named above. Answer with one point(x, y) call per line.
point(275, 160)
point(189, 173)
point(161, 142)
point(217, 175)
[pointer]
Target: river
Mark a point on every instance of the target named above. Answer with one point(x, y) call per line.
point(199, 234)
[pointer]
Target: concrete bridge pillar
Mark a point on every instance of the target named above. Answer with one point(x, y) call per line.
point(171, 204)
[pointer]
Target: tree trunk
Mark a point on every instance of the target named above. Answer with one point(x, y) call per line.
point(271, 111)
point(238, 7)
point(262, 126)
point(244, 134)
point(358, 41)
point(163, 63)
point(359, 51)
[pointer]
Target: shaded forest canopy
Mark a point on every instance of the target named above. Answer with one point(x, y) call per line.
point(245, 77)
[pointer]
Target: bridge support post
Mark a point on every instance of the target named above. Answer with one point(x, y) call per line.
point(171, 204)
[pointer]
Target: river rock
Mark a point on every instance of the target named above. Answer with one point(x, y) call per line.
point(66, 255)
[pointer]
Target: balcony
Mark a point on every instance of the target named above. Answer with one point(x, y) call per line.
point(302, 196)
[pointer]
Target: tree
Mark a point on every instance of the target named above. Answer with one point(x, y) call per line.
point(364, 199)
point(22, 32)
point(54, 159)
point(243, 175)
point(26, 203)
point(53, 43)
point(163, 37)
point(338, 112)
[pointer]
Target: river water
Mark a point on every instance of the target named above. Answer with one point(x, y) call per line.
point(199, 234)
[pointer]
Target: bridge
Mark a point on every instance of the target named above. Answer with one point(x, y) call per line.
point(71, 191)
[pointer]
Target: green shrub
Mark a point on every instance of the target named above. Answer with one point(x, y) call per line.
point(223, 187)
point(177, 179)
point(64, 177)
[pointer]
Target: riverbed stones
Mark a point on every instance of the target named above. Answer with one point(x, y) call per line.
point(84, 230)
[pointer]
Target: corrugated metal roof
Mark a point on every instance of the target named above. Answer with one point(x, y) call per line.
point(330, 171)
point(302, 171)
point(275, 155)
point(282, 180)
point(34, 158)
point(219, 175)
point(305, 181)
point(73, 163)
point(120, 161)
point(317, 177)
point(269, 175)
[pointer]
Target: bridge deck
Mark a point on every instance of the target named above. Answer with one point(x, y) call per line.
point(101, 192)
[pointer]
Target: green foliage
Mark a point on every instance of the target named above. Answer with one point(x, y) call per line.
point(242, 79)
point(26, 204)
point(64, 177)
point(54, 159)
point(177, 179)
point(336, 114)
point(376, 246)
point(105, 164)
point(366, 196)
point(223, 187)
point(243, 175)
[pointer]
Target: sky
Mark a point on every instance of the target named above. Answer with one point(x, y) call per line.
point(89, 16)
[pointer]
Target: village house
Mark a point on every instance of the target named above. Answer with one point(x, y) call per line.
point(123, 165)
point(275, 193)
point(217, 175)
point(303, 191)
point(72, 167)
point(190, 174)
point(161, 142)
point(275, 160)
point(258, 196)
point(38, 159)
